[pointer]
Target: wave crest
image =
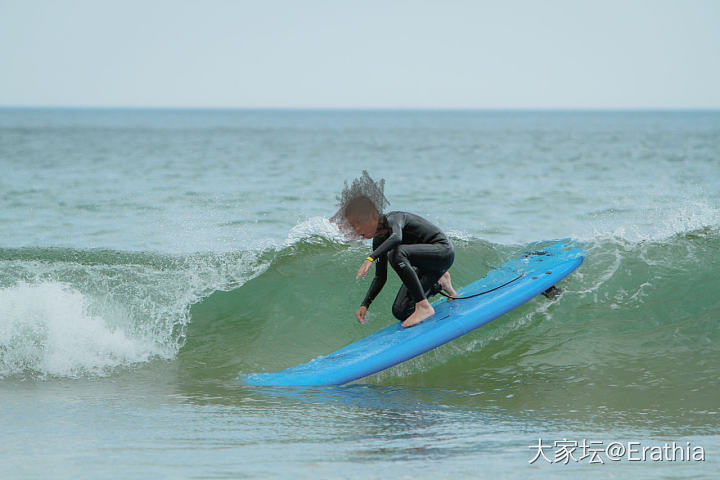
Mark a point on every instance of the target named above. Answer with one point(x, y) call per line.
point(49, 328)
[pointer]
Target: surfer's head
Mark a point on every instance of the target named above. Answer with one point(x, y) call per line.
point(360, 206)
point(362, 216)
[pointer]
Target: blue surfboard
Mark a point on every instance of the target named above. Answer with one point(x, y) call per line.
point(500, 291)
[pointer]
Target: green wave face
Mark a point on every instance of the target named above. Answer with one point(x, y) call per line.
point(640, 318)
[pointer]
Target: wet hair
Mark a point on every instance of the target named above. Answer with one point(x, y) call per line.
point(360, 208)
point(364, 196)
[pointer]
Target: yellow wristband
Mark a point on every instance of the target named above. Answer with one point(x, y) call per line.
point(370, 258)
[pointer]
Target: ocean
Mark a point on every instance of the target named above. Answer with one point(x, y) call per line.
point(148, 257)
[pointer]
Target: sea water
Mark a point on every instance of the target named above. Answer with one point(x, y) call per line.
point(147, 257)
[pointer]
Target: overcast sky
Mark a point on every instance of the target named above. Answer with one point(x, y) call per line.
point(361, 54)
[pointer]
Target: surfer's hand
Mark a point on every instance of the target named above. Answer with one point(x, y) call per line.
point(363, 269)
point(360, 314)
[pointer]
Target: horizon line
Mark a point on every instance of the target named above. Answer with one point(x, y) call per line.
point(361, 109)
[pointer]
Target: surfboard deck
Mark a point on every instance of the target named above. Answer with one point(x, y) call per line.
point(507, 287)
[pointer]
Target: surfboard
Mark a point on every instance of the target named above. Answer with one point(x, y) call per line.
point(536, 271)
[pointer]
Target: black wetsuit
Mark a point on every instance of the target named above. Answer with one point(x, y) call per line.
point(412, 242)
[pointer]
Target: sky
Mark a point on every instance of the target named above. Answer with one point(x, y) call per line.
point(443, 54)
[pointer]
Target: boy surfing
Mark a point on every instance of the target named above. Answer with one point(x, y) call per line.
point(418, 251)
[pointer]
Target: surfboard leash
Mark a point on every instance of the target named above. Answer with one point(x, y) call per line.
point(486, 291)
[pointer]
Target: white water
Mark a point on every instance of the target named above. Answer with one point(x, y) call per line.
point(47, 328)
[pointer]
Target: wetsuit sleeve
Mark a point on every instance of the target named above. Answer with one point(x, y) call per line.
point(395, 222)
point(378, 281)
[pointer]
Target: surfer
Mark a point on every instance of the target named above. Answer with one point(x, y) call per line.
point(418, 251)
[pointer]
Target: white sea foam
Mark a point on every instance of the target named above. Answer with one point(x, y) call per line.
point(314, 227)
point(47, 328)
point(691, 215)
point(656, 223)
point(78, 316)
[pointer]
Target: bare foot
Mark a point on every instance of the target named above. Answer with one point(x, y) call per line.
point(423, 311)
point(446, 285)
